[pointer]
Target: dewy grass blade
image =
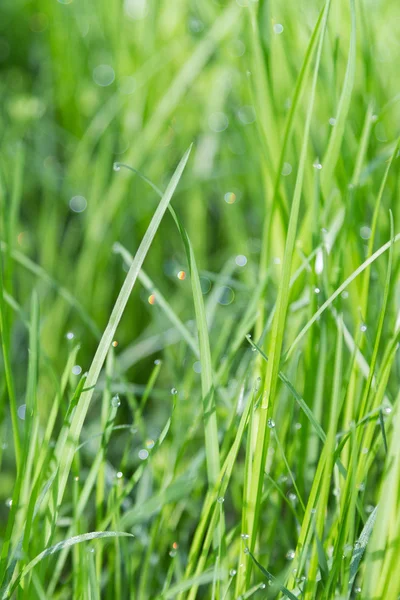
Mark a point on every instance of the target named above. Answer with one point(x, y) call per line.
point(338, 291)
point(209, 409)
point(65, 460)
point(276, 341)
point(78, 539)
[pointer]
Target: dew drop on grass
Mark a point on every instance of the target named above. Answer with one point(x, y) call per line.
point(345, 295)
point(317, 165)
point(103, 75)
point(278, 28)
point(271, 423)
point(8, 502)
point(172, 553)
point(286, 169)
point(241, 260)
point(119, 475)
point(116, 166)
point(297, 426)
point(230, 197)
point(292, 497)
point(226, 295)
point(387, 410)
point(290, 554)
point(70, 335)
point(317, 290)
point(197, 366)
point(174, 391)
point(245, 536)
point(22, 412)
point(149, 444)
point(365, 232)
point(143, 454)
point(78, 204)
point(363, 328)
point(181, 275)
point(246, 550)
point(257, 384)
point(332, 121)
point(357, 590)
point(276, 260)
point(218, 122)
point(157, 361)
point(232, 572)
point(262, 586)
point(115, 401)
point(221, 499)
point(76, 370)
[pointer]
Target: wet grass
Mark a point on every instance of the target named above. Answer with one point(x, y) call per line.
point(199, 305)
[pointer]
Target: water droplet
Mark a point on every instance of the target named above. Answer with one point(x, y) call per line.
point(225, 295)
point(205, 284)
point(119, 475)
point(157, 361)
point(90, 550)
point(271, 423)
point(374, 118)
point(246, 550)
point(357, 590)
point(197, 366)
point(317, 165)
point(286, 169)
point(276, 260)
point(262, 586)
point(345, 295)
point(78, 204)
point(297, 426)
point(76, 370)
point(143, 454)
point(103, 75)
point(181, 275)
point(218, 122)
point(116, 166)
point(247, 115)
point(363, 327)
point(387, 410)
point(245, 536)
point(221, 499)
point(172, 553)
point(149, 444)
point(361, 487)
point(115, 401)
point(317, 290)
point(290, 554)
point(8, 502)
point(278, 28)
point(313, 511)
point(22, 412)
point(292, 497)
point(70, 335)
point(257, 384)
point(174, 391)
point(232, 572)
point(369, 508)
point(365, 232)
point(230, 197)
point(332, 121)
point(114, 344)
point(241, 260)
point(365, 450)
point(151, 299)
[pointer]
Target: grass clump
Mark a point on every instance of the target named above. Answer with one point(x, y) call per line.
point(199, 309)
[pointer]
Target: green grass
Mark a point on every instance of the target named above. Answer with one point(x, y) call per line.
point(199, 303)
